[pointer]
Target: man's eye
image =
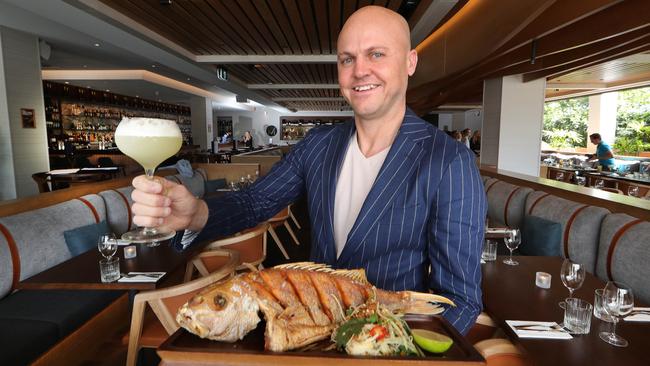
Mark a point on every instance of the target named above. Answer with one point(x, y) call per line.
point(377, 54)
point(346, 61)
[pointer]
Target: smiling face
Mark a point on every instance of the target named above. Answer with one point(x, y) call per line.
point(374, 62)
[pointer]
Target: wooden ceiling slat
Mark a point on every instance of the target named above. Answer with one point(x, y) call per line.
point(242, 24)
point(334, 16)
point(230, 36)
point(207, 27)
point(349, 6)
point(393, 4)
point(296, 23)
point(277, 8)
point(362, 3)
point(251, 10)
point(322, 25)
point(310, 24)
point(160, 24)
point(272, 22)
point(630, 49)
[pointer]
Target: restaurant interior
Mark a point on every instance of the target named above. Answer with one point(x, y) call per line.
point(555, 95)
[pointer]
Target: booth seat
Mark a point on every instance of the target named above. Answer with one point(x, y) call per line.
point(505, 203)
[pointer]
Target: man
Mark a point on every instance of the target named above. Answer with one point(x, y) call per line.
point(387, 192)
point(603, 151)
point(465, 136)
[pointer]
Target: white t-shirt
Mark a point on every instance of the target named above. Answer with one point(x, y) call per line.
point(357, 176)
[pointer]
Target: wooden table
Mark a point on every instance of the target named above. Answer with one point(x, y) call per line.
point(82, 272)
point(509, 293)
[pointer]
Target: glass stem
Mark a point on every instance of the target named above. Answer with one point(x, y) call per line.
point(510, 254)
point(149, 230)
point(614, 321)
point(570, 293)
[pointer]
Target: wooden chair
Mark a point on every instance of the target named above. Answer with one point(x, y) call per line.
point(250, 244)
point(281, 219)
point(500, 352)
point(483, 329)
point(293, 218)
point(165, 304)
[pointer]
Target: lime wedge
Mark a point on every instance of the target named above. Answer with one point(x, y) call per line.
point(431, 341)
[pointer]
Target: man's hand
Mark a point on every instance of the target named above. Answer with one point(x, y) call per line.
point(163, 203)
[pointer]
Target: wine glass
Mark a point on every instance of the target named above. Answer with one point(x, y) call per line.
point(618, 301)
point(149, 141)
point(572, 275)
point(633, 191)
point(107, 245)
point(582, 181)
point(513, 239)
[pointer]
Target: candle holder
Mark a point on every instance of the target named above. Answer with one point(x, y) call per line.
point(543, 280)
point(130, 252)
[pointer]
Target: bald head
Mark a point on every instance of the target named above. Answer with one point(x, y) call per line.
point(380, 19)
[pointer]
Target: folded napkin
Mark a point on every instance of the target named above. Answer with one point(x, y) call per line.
point(141, 277)
point(535, 329)
point(122, 242)
point(100, 168)
point(638, 317)
point(63, 171)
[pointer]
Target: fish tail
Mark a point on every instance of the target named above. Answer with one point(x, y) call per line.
point(426, 304)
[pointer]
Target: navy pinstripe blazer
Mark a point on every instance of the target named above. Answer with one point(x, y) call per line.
point(421, 225)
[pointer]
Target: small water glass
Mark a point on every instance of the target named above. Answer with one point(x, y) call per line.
point(600, 184)
point(582, 181)
point(109, 269)
point(489, 253)
point(577, 316)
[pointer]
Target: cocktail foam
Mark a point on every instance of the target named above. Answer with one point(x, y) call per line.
point(153, 127)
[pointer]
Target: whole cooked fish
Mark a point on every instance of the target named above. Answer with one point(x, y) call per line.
point(301, 302)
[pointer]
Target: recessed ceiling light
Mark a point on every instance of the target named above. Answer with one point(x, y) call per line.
point(160, 100)
point(154, 66)
point(108, 90)
point(85, 66)
point(88, 86)
point(67, 82)
point(188, 79)
point(137, 96)
point(96, 45)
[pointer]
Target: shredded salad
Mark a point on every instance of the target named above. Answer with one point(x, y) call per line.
point(373, 330)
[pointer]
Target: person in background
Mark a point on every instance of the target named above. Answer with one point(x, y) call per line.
point(248, 140)
point(465, 135)
point(225, 138)
point(456, 136)
point(475, 142)
point(603, 152)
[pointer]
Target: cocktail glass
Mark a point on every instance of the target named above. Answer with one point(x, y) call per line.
point(149, 141)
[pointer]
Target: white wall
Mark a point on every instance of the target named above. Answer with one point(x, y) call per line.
point(520, 135)
point(491, 121)
point(602, 117)
point(201, 121)
point(445, 119)
point(24, 150)
point(473, 119)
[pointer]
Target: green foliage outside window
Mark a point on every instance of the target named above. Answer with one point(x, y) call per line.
point(565, 123)
point(633, 122)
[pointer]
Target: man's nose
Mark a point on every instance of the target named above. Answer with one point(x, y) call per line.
point(361, 68)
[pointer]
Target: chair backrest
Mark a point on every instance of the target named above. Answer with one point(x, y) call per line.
point(166, 302)
point(580, 225)
point(280, 216)
point(249, 243)
point(624, 253)
point(500, 352)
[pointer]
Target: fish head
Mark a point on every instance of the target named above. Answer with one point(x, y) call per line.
point(226, 311)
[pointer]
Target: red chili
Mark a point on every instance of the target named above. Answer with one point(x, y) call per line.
point(379, 332)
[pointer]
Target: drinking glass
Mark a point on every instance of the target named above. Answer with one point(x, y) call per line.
point(599, 184)
point(633, 191)
point(559, 176)
point(599, 310)
point(107, 245)
point(109, 269)
point(582, 181)
point(489, 251)
point(149, 141)
point(618, 301)
point(572, 275)
point(577, 316)
point(513, 239)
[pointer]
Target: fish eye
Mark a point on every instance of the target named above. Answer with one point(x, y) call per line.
point(220, 301)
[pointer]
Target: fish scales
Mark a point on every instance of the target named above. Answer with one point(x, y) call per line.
point(300, 306)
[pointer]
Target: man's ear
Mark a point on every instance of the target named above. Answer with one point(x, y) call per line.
point(412, 61)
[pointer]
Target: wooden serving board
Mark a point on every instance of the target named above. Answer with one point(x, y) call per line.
point(183, 348)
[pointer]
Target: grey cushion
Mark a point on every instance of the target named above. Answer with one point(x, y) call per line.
point(582, 236)
point(84, 238)
point(540, 237)
point(501, 194)
point(630, 260)
point(194, 184)
point(118, 212)
point(38, 235)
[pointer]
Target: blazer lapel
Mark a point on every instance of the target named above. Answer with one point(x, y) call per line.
point(401, 162)
point(330, 174)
